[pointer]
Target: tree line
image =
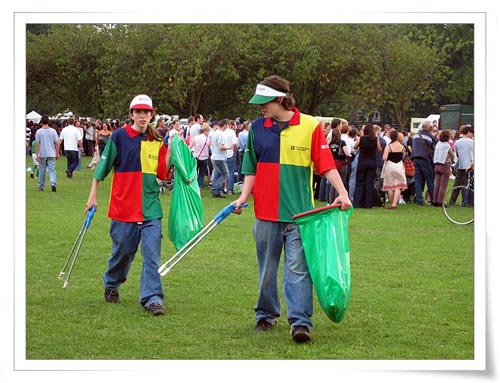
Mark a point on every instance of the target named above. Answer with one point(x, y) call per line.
point(345, 70)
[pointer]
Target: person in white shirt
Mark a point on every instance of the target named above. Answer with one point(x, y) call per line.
point(232, 142)
point(444, 156)
point(89, 139)
point(78, 125)
point(175, 129)
point(194, 130)
point(349, 141)
point(200, 146)
point(72, 139)
point(242, 143)
point(219, 149)
point(386, 134)
point(464, 148)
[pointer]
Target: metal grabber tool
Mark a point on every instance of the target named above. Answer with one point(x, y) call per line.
point(75, 250)
point(184, 250)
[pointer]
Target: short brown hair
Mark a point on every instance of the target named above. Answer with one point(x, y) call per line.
point(445, 135)
point(393, 134)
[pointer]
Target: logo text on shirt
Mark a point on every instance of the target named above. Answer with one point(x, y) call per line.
point(299, 148)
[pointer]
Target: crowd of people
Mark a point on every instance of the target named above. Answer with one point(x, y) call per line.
point(221, 142)
point(369, 166)
point(386, 167)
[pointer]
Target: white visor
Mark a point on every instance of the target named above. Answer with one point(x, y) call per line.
point(263, 90)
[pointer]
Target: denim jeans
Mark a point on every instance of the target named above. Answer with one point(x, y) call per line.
point(424, 173)
point(271, 238)
point(352, 177)
point(219, 176)
point(46, 164)
point(231, 168)
point(126, 237)
point(323, 193)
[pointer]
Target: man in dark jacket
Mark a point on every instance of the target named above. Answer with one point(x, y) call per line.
point(422, 155)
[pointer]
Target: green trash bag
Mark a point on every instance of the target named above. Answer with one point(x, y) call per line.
point(186, 209)
point(324, 233)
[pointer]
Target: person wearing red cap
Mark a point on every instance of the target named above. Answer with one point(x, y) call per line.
point(283, 150)
point(137, 156)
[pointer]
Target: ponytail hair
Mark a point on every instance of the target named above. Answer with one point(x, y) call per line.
point(153, 133)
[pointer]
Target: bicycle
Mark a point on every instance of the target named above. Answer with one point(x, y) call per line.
point(458, 204)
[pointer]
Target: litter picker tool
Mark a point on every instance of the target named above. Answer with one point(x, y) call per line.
point(184, 250)
point(75, 249)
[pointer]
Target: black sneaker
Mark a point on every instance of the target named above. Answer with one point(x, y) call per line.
point(111, 295)
point(301, 334)
point(54, 188)
point(156, 309)
point(264, 324)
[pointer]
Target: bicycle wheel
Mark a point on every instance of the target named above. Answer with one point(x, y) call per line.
point(458, 205)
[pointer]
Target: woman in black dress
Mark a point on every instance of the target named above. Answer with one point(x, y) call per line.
point(368, 145)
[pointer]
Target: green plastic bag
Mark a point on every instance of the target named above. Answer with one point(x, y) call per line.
point(325, 239)
point(186, 209)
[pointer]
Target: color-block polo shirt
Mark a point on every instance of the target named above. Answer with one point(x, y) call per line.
point(137, 162)
point(283, 162)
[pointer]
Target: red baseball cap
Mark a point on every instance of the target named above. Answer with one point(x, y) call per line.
point(142, 102)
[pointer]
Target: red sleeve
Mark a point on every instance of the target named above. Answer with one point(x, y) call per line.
point(321, 154)
point(161, 172)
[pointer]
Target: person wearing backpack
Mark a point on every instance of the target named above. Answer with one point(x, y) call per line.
point(340, 153)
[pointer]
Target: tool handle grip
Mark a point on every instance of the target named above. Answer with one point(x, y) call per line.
point(222, 215)
point(327, 207)
point(88, 218)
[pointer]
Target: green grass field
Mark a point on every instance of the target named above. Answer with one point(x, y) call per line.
point(412, 294)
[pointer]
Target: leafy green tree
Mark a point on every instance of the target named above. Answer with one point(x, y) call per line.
point(334, 69)
point(61, 69)
point(402, 71)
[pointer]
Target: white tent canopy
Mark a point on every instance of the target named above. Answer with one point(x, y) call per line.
point(33, 116)
point(430, 118)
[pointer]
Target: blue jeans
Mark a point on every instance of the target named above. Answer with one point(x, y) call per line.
point(46, 164)
point(79, 166)
point(126, 237)
point(424, 173)
point(352, 177)
point(271, 238)
point(231, 168)
point(219, 176)
point(322, 193)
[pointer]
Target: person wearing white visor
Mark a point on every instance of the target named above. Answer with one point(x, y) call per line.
point(264, 94)
point(284, 148)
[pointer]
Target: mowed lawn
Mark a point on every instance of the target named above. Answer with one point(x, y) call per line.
point(412, 291)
